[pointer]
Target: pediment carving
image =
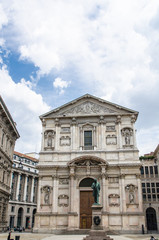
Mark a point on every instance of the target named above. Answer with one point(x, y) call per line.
point(87, 161)
point(87, 108)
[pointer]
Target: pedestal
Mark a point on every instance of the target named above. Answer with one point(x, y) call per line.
point(97, 217)
point(97, 232)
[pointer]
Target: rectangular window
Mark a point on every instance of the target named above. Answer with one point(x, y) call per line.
point(149, 197)
point(28, 210)
point(148, 184)
point(142, 170)
point(146, 170)
point(156, 170)
point(12, 209)
point(87, 138)
point(143, 184)
point(152, 184)
point(144, 197)
point(151, 170)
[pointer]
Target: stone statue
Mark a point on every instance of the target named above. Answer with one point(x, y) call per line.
point(96, 189)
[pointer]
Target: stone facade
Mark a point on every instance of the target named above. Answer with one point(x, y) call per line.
point(150, 189)
point(82, 140)
point(23, 196)
point(8, 136)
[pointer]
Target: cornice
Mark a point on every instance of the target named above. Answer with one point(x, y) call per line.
point(89, 151)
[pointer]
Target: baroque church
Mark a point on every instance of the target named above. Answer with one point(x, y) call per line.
point(86, 139)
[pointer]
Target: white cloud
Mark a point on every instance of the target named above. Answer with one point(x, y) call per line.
point(61, 84)
point(25, 106)
point(148, 139)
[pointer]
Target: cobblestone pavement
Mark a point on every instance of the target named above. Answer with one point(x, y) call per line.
point(35, 236)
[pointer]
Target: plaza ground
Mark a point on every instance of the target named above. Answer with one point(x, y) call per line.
point(34, 236)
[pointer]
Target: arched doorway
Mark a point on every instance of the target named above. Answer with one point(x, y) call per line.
point(151, 219)
point(86, 201)
point(20, 217)
point(33, 217)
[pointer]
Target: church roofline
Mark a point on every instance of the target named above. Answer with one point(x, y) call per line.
point(88, 96)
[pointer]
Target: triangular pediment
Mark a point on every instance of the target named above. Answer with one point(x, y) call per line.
point(88, 105)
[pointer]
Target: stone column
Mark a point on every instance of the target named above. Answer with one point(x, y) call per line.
point(11, 180)
point(18, 184)
point(140, 193)
point(104, 188)
point(73, 133)
point(133, 119)
point(57, 143)
point(71, 193)
point(25, 188)
point(119, 132)
point(55, 194)
point(123, 192)
point(39, 194)
point(32, 189)
point(81, 138)
point(94, 138)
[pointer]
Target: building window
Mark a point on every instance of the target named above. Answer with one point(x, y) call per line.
point(142, 170)
point(156, 170)
point(146, 170)
point(12, 209)
point(28, 210)
point(87, 139)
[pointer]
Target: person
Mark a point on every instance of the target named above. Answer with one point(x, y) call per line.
point(96, 189)
point(152, 238)
point(9, 235)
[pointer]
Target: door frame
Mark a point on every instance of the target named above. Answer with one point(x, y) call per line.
point(83, 189)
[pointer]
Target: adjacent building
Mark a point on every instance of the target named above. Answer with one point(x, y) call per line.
point(86, 139)
point(150, 189)
point(8, 137)
point(23, 198)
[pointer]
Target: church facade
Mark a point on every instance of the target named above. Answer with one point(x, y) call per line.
point(86, 139)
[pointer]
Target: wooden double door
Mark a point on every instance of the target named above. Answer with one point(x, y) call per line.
point(86, 201)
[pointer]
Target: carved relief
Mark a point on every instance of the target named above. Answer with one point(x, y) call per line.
point(63, 181)
point(49, 140)
point(46, 195)
point(114, 200)
point(111, 140)
point(110, 128)
point(87, 163)
point(131, 191)
point(127, 134)
point(65, 141)
point(65, 129)
point(88, 108)
point(113, 179)
point(63, 200)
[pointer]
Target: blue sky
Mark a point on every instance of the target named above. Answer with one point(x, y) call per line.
point(52, 52)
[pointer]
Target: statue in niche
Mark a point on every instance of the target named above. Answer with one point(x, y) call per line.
point(127, 139)
point(47, 198)
point(49, 141)
point(96, 189)
point(131, 197)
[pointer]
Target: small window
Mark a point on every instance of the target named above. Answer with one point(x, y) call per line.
point(149, 197)
point(12, 209)
point(146, 170)
point(142, 170)
point(143, 184)
point(148, 184)
point(151, 170)
point(87, 138)
point(28, 210)
point(156, 170)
